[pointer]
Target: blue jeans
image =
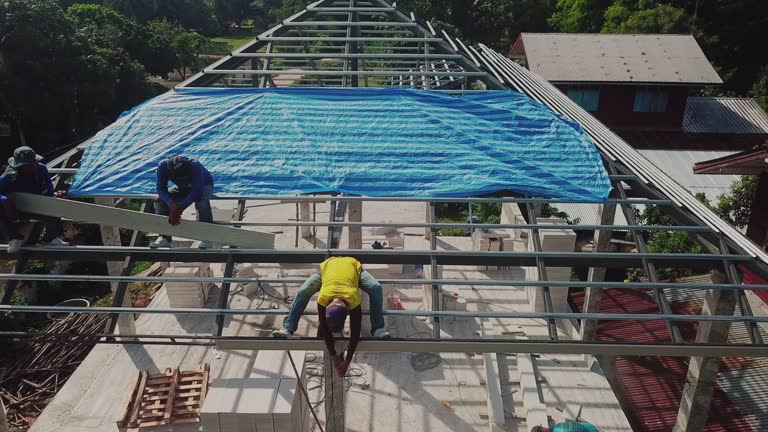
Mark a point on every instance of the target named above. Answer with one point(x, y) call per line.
point(202, 205)
point(368, 284)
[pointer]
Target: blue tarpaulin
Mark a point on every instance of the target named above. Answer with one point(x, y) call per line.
point(369, 142)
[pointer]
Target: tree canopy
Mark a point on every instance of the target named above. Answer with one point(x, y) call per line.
point(86, 60)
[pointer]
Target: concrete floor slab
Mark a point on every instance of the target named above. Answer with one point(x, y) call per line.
point(385, 392)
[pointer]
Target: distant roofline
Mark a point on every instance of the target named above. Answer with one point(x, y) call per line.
point(634, 83)
point(605, 34)
point(692, 73)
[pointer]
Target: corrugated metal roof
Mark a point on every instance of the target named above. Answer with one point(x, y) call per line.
point(612, 146)
point(744, 380)
point(678, 164)
point(651, 387)
point(724, 115)
point(636, 58)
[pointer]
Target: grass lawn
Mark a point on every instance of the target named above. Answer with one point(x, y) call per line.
point(225, 44)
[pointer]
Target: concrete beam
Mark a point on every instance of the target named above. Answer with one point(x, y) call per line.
point(495, 401)
point(105, 214)
point(534, 409)
point(702, 371)
point(593, 295)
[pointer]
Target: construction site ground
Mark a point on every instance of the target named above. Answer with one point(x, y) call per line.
point(384, 392)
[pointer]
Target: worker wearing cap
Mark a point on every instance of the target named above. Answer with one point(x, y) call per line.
point(577, 426)
point(338, 282)
point(26, 174)
point(192, 184)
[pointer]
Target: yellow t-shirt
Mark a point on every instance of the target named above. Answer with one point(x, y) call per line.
point(341, 276)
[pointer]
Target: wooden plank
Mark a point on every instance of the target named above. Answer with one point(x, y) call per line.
point(137, 404)
point(145, 222)
point(123, 421)
point(171, 394)
point(158, 390)
point(204, 385)
point(190, 387)
point(185, 403)
point(178, 395)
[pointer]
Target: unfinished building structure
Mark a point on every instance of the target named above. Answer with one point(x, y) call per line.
point(501, 293)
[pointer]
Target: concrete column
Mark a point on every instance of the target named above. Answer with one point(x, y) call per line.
point(334, 393)
point(597, 274)
point(305, 216)
point(110, 236)
point(702, 371)
point(355, 214)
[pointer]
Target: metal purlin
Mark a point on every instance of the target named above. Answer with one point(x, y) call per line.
point(542, 271)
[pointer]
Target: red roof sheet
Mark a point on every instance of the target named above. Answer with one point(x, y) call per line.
point(649, 388)
point(749, 278)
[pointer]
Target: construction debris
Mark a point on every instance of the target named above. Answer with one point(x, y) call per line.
point(39, 369)
point(172, 397)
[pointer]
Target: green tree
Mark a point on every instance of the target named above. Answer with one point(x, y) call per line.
point(732, 34)
point(498, 23)
point(737, 205)
point(197, 15)
point(188, 47)
point(760, 89)
point(179, 49)
point(112, 49)
point(644, 16)
point(665, 241)
point(233, 11)
point(141, 10)
point(38, 76)
point(579, 16)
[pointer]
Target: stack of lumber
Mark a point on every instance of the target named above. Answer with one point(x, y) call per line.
point(172, 397)
point(41, 365)
point(187, 294)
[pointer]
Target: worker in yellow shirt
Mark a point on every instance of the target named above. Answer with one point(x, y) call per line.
point(339, 282)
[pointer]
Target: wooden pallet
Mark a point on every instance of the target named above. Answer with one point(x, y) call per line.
point(173, 397)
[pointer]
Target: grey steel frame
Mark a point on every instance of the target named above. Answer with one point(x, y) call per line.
point(439, 62)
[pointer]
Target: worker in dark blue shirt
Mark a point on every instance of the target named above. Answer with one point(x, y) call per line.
point(26, 174)
point(192, 184)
